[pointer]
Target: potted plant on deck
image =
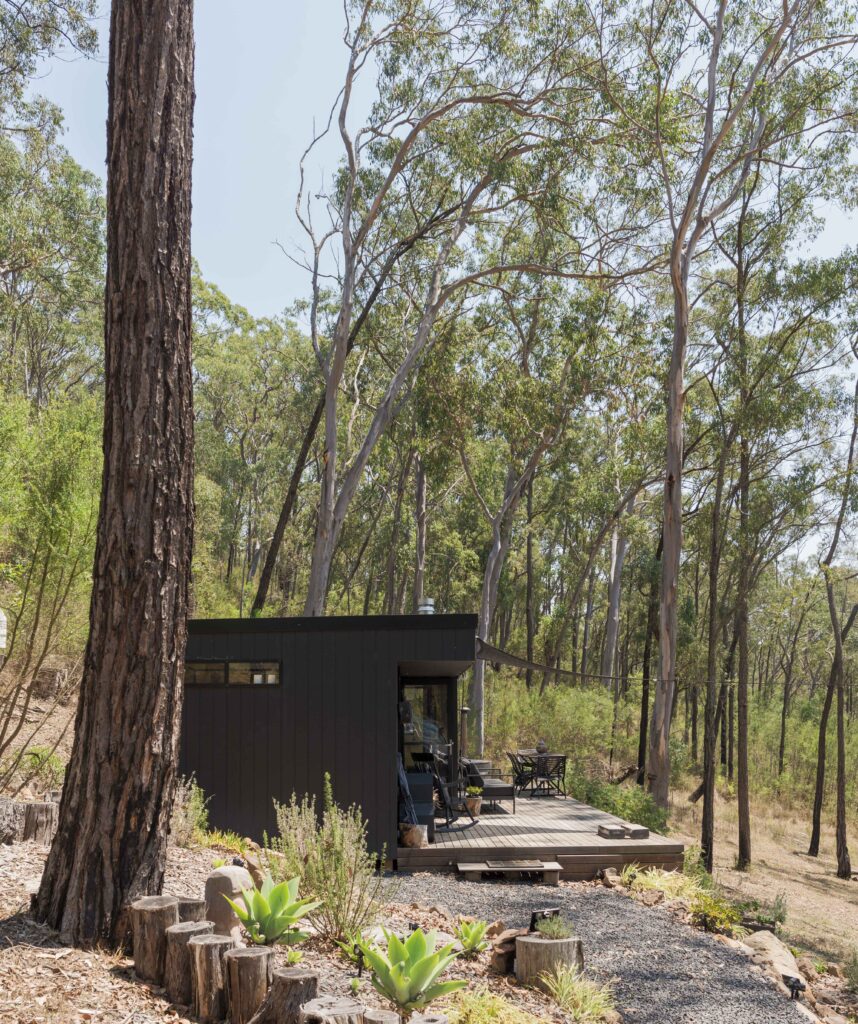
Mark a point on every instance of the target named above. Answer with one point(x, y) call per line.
point(474, 799)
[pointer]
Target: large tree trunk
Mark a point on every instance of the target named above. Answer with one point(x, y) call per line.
point(658, 764)
point(114, 817)
point(651, 634)
point(420, 531)
point(619, 545)
point(529, 615)
point(286, 511)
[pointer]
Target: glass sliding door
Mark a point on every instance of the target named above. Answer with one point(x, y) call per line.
point(427, 721)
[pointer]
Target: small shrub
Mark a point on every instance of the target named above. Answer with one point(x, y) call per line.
point(44, 767)
point(350, 947)
point(628, 874)
point(555, 928)
point(219, 840)
point(674, 884)
point(692, 866)
point(480, 1006)
point(406, 974)
point(472, 936)
point(271, 912)
point(190, 817)
point(474, 790)
point(850, 971)
point(333, 860)
point(582, 1000)
point(778, 912)
point(713, 913)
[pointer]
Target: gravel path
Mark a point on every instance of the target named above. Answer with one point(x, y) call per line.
point(663, 971)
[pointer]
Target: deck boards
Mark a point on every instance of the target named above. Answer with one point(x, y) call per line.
point(545, 827)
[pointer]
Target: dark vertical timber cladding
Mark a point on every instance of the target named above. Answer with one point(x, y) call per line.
point(335, 709)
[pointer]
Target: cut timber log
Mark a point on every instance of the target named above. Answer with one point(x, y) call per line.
point(207, 952)
point(40, 822)
point(11, 821)
point(382, 1017)
point(535, 955)
point(291, 988)
point(151, 916)
point(612, 831)
point(178, 975)
point(192, 909)
point(248, 977)
point(332, 1010)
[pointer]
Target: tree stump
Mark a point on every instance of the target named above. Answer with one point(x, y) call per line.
point(382, 1017)
point(178, 974)
point(151, 916)
point(248, 977)
point(429, 1018)
point(535, 955)
point(332, 1010)
point(39, 822)
point(206, 953)
point(12, 813)
point(291, 988)
point(191, 909)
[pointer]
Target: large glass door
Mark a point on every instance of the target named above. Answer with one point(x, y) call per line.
point(427, 722)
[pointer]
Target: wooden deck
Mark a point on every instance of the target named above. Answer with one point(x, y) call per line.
point(548, 828)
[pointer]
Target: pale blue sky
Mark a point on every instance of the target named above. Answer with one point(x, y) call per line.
point(265, 69)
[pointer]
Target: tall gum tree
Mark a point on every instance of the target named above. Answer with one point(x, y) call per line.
point(721, 88)
point(114, 816)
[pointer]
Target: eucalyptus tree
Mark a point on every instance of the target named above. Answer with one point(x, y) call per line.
point(51, 270)
point(721, 88)
point(32, 31)
point(443, 155)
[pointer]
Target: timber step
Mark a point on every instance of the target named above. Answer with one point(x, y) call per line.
point(514, 869)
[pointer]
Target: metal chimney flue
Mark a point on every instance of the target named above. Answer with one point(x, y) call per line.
point(426, 606)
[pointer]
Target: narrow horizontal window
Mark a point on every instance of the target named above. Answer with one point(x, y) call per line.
point(254, 673)
point(205, 672)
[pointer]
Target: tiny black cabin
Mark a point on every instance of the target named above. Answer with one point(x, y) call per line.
point(272, 704)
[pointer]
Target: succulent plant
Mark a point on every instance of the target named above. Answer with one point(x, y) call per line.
point(407, 973)
point(271, 912)
point(472, 936)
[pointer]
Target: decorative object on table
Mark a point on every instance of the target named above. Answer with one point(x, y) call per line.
point(474, 799)
point(541, 747)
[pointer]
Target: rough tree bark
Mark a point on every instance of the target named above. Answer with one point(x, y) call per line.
point(111, 842)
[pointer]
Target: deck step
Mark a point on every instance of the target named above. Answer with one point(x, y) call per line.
point(473, 872)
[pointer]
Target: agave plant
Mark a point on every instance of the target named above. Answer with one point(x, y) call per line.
point(406, 974)
point(472, 936)
point(271, 912)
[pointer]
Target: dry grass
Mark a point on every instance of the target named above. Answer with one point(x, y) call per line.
point(822, 910)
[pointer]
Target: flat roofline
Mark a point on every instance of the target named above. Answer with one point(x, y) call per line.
point(330, 623)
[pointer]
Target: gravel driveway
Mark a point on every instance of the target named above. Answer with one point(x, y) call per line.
point(663, 971)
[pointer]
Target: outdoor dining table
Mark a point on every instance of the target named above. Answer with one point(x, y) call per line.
point(549, 773)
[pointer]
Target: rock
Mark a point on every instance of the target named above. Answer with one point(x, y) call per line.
point(503, 950)
point(830, 1016)
point(807, 968)
point(494, 929)
point(610, 878)
point(807, 1012)
point(226, 881)
point(650, 897)
point(773, 954)
point(835, 970)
